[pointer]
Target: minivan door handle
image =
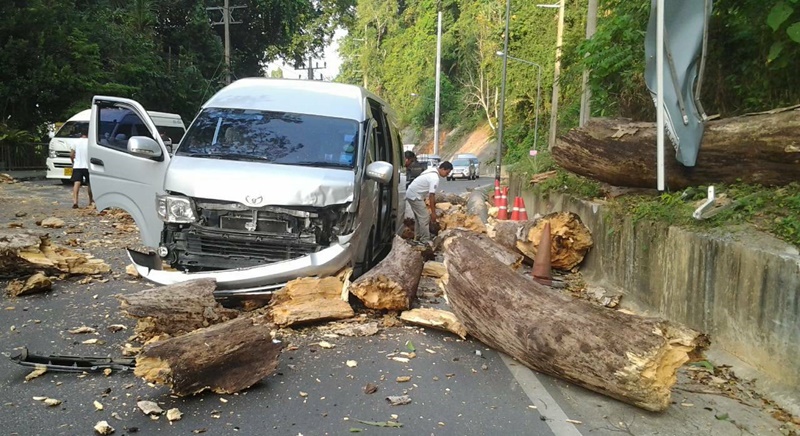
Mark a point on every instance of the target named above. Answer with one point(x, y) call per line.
point(96, 161)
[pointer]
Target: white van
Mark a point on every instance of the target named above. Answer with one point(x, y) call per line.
point(274, 180)
point(76, 129)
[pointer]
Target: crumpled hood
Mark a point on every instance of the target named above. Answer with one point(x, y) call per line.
point(257, 184)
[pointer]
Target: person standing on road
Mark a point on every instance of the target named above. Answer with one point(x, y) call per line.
point(413, 167)
point(424, 187)
point(80, 170)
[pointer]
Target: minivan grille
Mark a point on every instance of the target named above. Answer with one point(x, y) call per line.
point(271, 250)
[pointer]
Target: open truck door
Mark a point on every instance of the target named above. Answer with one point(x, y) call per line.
point(127, 162)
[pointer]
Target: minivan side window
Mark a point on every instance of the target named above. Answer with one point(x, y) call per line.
point(117, 125)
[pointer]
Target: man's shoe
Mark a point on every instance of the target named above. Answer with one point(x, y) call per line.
point(75, 205)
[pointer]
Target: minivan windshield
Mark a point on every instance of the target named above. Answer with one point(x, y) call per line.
point(461, 162)
point(73, 129)
point(275, 137)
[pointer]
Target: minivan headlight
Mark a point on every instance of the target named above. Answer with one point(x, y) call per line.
point(174, 209)
point(52, 153)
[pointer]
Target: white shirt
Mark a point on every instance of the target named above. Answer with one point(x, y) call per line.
point(81, 154)
point(426, 183)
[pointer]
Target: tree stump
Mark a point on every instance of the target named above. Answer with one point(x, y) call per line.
point(392, 283)
point(309, 299)
point(570, 238)
point(631, 358)
point(175, 309)
point(224, 358)
point(760, 148)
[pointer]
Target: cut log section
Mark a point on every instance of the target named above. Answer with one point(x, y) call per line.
point(392, 283)
point(446, 197)
point(309, 299)
point(627, 357)
point(224, 358)
point(24, 252)
point(760, 148)
point(175, 309)
point(570, 238)
point(435, 318)
point(458, 219)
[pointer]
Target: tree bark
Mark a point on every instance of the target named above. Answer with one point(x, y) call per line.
point(435, 318)
point(570, 238)
point(508, 256)
point(761, 148)
point(448, 197)
point(224, 358)
point(309, 299)
point(24, 252)
point(175, 309)
point(392, 283)
point(627, 357)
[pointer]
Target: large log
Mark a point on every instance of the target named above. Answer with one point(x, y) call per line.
point(24, 252)
point(570, 239)
point(224, 358)
point(624, 356)
point(760, 148)
point(309, 299)
point(392, 283)
point(175, 309)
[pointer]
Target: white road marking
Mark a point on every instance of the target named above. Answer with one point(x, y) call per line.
point(533, 388)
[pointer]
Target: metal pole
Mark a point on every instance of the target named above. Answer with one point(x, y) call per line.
point(538, 103)
point(499, 156)
point(438, 78)
point(557, 72)
point(226, 17)
point(586, 95)
point(660, 92)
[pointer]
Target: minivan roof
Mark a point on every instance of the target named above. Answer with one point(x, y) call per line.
point(85, 114)
point(311, 97)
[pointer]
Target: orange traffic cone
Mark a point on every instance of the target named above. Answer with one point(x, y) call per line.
point(515, 210)
point(502, 214)
point(541, 264)
point(523, 214)
point(496, 193)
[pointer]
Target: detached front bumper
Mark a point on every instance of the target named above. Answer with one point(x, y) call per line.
point(253, 281)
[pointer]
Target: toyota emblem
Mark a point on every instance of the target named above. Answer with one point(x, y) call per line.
point(254, 201)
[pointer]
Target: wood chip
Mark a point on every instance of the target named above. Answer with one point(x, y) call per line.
point(352, 363)
point(103, 428)
point(174, 414)
point(325, 344)
point(370, 388)
point(82, 330)
point(149, 407)
point(36, 373)
point(403, 378)
point(52, 402)
point(98, 405)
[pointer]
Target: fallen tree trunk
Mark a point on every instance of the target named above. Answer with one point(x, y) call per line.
point(224, 358)
point(508, 256)
point(175, 309)
point(448, 197)
point(627, 357)
point(435, 318)
point(392, 283)
point(309, 299)
point(24, 252)
point(760, 148)
point(570, 238)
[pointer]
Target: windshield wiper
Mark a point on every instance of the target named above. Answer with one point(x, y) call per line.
point(318, 164)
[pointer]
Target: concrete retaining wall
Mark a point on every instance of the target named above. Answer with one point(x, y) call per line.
point(741, 287)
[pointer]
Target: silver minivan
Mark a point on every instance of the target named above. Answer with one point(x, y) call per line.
point(274, 180)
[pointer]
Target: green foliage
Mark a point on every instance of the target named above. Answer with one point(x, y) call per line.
point(567, 182)
point(57, 54)
point(773, 210)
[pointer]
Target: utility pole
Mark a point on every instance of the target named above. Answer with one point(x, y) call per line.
point(556, 76)
point(438, 78)
point(499, 157)
point(586, 94)
point(226, 21)
point(310, 68)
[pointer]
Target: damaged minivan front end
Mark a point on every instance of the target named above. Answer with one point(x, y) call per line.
point(274, 180)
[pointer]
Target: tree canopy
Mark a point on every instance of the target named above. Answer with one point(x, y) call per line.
point(166, 54)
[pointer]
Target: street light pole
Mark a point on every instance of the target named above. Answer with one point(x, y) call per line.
point(538, 93)
point(586, 94)
point(499, 156)
point(438, 78)
point(556, 74)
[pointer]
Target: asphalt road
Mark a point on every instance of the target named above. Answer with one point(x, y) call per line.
point(457, 387)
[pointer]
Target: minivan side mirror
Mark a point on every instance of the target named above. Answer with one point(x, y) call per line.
point(380, 171)
point(143, 146)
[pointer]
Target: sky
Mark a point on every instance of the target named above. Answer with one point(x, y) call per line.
point(331, 62)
